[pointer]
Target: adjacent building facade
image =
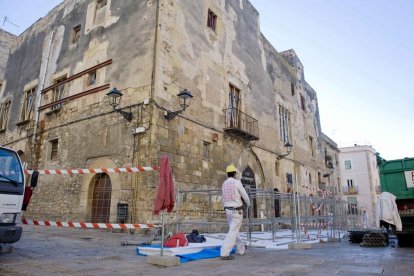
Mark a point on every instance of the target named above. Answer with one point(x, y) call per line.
point(360, 176)
point(249, 101)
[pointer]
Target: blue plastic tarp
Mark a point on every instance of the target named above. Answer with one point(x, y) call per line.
point(206, 253)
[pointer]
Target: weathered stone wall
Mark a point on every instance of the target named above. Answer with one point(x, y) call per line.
point(152, 50)
point(6, 40)
point(88, 131)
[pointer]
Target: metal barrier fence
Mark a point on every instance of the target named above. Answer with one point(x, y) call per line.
point(269, 211)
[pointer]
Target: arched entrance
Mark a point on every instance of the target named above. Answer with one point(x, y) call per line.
point(249, 184)
point(101, 198)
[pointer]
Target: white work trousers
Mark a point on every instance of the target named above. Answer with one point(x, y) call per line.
point(234, 220)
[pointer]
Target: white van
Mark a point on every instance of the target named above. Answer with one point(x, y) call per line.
point(12, 185)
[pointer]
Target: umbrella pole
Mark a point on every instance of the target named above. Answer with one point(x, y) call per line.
point(162, 233)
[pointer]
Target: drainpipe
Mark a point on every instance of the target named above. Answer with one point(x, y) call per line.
point(39, 91)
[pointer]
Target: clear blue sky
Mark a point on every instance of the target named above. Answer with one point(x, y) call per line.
point(358, 56)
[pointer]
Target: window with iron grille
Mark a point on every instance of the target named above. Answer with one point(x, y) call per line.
point(76, 34)
point(211, 20)
point(58, 92)
point(284, 124)
point(4, 114)
point(27, 108)
point(54, 146)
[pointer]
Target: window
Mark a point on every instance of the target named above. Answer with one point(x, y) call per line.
point(27, 108)
point(289, 179)
point(284, 122)
point(54, 145)
point(92, 78)
point(206, 149)
point(350, 183)
point(211, 20)
point(302, 103)
point(347, 164)
point(352, 205)
point(310, 179)
point(292, 88)
point(76, 34)
point(58, 92)
point(311, 147)
point(4, 114)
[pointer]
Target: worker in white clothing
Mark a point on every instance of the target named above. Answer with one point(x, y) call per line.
point(233, 196)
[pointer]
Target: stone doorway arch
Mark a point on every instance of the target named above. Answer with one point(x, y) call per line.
point(101, 199)
point(249, 184)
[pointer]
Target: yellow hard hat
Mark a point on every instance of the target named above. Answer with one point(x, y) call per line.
point(231, 168)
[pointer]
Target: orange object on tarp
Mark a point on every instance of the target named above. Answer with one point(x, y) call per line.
point(165, 198)
point(176, 240)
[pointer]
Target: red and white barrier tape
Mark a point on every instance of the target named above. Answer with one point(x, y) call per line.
point(315, 224)
point(88, 224)
point(102, 170)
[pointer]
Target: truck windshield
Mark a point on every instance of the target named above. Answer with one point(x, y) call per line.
point(10, 168)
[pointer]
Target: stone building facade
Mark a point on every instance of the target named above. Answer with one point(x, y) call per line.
point(249, 101)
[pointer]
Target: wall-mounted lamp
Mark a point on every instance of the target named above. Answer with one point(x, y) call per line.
point(184, 96)
point(289, 148)
point(330, 171)
point(114, 100)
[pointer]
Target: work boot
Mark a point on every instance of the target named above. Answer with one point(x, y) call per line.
point(230, 257)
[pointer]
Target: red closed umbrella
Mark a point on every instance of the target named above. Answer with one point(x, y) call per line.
point(165, 198)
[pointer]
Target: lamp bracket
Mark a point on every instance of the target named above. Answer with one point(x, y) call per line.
point(126, 115)
point(169, 115)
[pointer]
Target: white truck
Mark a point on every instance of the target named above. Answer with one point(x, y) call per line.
point(12, 186)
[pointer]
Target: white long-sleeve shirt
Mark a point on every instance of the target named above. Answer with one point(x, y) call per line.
point(233, 192)
point(387, 210)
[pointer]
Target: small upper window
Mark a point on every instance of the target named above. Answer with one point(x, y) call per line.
point(211, 20)
point(92, 78)
point(76, 34)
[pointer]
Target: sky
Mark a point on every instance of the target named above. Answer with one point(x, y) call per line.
point(357, 55)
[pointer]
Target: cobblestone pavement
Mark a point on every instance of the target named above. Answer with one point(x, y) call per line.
point(68, 251)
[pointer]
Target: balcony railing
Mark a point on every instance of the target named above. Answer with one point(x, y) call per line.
point(350, 190)
point(241, 124)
